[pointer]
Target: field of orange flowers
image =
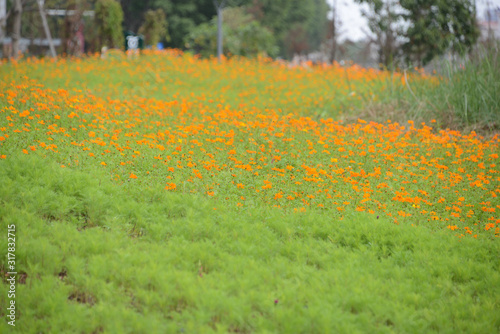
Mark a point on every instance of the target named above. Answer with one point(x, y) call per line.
point(248, 134)
point(166, 194)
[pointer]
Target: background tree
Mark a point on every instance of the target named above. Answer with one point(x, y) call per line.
point(154, 27)
point(281, 17)
point(108, 20)
point(183, 17)
point(317, 23)
point(296, 40)
point(243, 36)
point(384, 20)
point(436, 26)
point(420, 30)
point(134, 11)
point(332, 31)
point(286, 18)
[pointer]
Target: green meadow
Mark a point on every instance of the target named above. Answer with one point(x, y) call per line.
point(168, 194)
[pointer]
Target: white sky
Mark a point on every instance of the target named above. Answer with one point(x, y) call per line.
point(353, 25)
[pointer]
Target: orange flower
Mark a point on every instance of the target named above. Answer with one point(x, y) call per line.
point(488, 226)
point(171, 186)
point(133, 176)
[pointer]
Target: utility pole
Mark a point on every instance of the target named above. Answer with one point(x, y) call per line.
point(46, 28)
point(334, 31)
point(219, 6)
point(16, 31)
point(3, 20)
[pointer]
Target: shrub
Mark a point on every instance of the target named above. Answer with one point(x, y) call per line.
point(154, 27)
point(242, 36)
point(108, 20)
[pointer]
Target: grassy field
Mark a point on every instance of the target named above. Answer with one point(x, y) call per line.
point(172, 194)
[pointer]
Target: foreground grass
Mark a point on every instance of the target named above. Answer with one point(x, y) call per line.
point(98, 257)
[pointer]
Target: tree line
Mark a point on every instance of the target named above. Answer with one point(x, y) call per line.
point(404, 31)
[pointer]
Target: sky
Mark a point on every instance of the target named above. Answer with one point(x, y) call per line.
point(354, 26)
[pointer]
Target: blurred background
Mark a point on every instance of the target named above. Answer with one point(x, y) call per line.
point(377, 33)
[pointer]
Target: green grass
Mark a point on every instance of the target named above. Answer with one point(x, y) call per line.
point(123, 259)
point(99, 251)
point(466, 98)
point(471, 93)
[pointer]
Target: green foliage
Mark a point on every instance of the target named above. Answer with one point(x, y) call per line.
point(242, 36)
point(183, 17)
point(278, 16)
point(285, 17)
point(438, 26)
point(430, 28)
point(154, 27)
point(469, 92)
point(104, 258)
point(383, 20)
point(317, 23)
point(296, 40)
point(108, 20)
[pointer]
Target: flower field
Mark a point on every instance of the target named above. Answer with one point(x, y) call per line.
point(242, 150)
point(245, 142)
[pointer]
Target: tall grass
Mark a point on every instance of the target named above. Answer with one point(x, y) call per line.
point(471, 92)
point(462, 95)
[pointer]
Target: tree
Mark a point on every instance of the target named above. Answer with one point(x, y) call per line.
point(296, 40)
point(384, 20)
point(183, 17)
point(108, 19)
point(420, 30)
point(243, 36)
point(285, 18)
point(279, 16)
point(154, 27)
point(134, 11)
point(317, 23)
point(436, 26)
point(332, 33)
